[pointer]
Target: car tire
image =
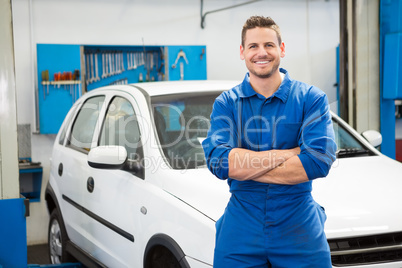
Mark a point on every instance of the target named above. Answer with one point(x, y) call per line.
point(57, 240)
point(161, 257)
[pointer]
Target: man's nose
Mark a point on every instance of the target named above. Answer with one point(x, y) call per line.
point(262, 51)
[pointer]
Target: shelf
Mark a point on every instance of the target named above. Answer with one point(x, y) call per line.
point(65, 82)
point(31, 181)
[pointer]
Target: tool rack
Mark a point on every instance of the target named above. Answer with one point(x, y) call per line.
point(106, 65)
point(65, 72)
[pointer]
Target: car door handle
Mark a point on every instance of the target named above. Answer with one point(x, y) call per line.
point(60, 171)
point(90, 184)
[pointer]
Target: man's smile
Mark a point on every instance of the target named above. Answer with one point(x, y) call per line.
point(262, 61)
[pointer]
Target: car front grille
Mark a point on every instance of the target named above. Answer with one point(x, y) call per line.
point(366, 250)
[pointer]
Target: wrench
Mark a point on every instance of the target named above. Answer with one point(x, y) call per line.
point(87, 70)
point(118, 62)
point(103, 66)
point(92, 69)
point(122, 61)
point(181, 71)
point(110, 64)
point(106, 65)
point(96, 68)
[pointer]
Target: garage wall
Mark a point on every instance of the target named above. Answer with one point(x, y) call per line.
point(310, 30)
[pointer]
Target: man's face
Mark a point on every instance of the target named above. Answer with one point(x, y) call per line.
point(262, 52)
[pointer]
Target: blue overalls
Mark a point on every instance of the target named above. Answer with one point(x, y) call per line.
point(271, 225)
point(268, 229)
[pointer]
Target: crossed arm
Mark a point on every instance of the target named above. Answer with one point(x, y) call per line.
point(273, 166)
point(285, 166)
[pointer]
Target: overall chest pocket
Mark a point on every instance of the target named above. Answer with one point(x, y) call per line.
point(286, 135)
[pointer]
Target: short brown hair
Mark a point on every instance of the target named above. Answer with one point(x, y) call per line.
point(262, 22)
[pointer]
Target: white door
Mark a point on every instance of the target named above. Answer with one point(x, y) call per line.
point(113, 197)
point(73, 169)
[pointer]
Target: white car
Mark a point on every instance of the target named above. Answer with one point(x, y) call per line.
point(128, 184)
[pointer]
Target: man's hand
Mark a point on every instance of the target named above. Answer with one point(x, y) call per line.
point(250, 165)
point(290, 172)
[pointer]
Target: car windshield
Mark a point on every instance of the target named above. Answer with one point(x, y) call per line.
point(182, 122)
point(347, 144)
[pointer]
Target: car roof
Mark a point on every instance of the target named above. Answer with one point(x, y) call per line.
point(175, 87)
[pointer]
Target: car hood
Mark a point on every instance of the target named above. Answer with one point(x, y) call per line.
point(361, 196)
point(200, 189)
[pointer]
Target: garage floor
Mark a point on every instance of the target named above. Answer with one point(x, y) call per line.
point(38, 254)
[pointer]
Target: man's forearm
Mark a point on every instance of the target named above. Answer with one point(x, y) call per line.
point(247, 165)
point(289, 172)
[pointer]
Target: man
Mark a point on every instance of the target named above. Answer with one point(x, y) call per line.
point(270, 137)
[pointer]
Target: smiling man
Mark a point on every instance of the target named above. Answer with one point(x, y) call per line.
point(270, 137)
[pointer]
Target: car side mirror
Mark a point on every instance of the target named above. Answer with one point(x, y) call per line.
point(373, 137)
point(107, 157)
point(114, 157)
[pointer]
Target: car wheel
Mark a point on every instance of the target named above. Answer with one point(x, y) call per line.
point(57, 240)
point(161, 257)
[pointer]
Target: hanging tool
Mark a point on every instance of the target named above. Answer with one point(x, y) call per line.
point(181, 54)
point(68, 77)
point(48, 81)
point(118, 63)
point(57, 78)
point(181, 71)
point(135, 60)
point(103, 66)
point(96, 68)
point(202, 53)
point(92, 69)
point(88, 74)
point(150, 60)
point(161, 75)
point(128, 61)
point(62, 78)
point(110, 64)
point(74, 82)
point(107, 64)
point(122, 62)
point(45, 81)
point(77, 84)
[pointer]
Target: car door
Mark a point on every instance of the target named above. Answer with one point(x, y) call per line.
point(113, 197)
point(71, 161)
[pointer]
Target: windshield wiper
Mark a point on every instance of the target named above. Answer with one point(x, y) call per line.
point(351, 152)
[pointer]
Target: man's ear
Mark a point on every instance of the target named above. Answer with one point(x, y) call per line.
point(241, 52)
point(282, 47)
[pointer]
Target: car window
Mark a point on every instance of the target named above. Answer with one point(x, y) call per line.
point(65, 126)
point(182, 122)
point(343, 138)
point(85, 122)
point(347, 144)
point(120, 127)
